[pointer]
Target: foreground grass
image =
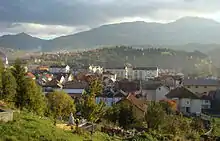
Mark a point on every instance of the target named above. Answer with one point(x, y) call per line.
point(28, 127)
point(217, 129)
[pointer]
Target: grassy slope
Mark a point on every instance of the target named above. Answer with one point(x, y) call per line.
point(32, 128)
point(217, 132)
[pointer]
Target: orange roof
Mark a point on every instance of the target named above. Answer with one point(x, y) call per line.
point(31, 75)
point(137, 102)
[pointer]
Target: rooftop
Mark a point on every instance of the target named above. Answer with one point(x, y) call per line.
point(201, 82)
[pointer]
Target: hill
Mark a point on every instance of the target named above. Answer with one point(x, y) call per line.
point(30, 127)
point(175, 34)
point(183, 31)
point(21, 41)
point(118, 56)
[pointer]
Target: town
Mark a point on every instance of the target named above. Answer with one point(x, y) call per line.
point(149, 93)
point(109, 70)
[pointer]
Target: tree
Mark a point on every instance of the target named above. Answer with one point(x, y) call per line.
point(60, 104)
point(126, 116)
point(155, 116)
point(1, 73)
point(9, 86)
point(112, 114)
point(88, 106)
point(35, 98)
point(18, 72)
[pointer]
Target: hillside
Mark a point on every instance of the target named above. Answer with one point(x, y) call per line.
point(33, 128)
point(21, 41)
point(183, 31)
point(118, 56)
point(175, 34)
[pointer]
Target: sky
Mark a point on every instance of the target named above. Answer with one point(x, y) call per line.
point(48, 19)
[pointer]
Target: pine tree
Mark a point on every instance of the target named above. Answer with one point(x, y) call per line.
point(9, 86)
point(18, 72)
point(88, 106)
point(35, 98)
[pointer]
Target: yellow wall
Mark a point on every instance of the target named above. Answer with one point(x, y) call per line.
point(201, 89)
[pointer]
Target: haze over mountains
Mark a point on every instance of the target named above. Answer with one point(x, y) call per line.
point(175, 34)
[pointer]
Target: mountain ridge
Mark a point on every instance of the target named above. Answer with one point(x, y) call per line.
point(182, 31)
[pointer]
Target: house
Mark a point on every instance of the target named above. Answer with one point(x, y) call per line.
point(31, 75)
point(201, 85)
point(189, 102)
point(109, 75)
point(74, 88)
point(95, 69)
point(154, 91)
point(127, 86)
point(145, 73)
point(172, 81)
point(50, 86)
point(43, 68)
point(139, 107)
point(110, 97)
point(59, 69)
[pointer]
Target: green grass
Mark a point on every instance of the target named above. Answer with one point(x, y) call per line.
point(217, 129)
point(27, 127)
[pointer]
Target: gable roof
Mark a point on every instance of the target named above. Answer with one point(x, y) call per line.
point(181, 92)
point(140, 104)
point(145, 68)
point(54, 83)
point(201, 82)
point(75, 85)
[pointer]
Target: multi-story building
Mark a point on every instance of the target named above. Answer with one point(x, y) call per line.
point(201, 85)
point(135, 73)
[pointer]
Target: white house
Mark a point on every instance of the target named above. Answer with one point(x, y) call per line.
point(187, 101)
point(95, 69)
point(59, 69)
point(154, 92)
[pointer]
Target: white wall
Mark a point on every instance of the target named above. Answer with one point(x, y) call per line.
point(185, 102)
point(161, 92)
point(150, 95)
point(196, 106)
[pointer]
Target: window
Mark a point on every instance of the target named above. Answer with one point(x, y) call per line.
point(188, 86)
point(187, 102)
point(159, 88)
point(205, 86)
point(206, 101)
point(196, 86)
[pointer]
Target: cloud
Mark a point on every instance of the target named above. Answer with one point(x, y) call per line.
point(87, 12)
point(40, 30)
point(59, 17)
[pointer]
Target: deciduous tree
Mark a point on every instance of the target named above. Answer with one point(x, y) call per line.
point(155, 116)
point(60, 104)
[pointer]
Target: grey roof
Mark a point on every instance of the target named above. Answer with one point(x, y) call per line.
point(145, 68)
point(201, 81)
